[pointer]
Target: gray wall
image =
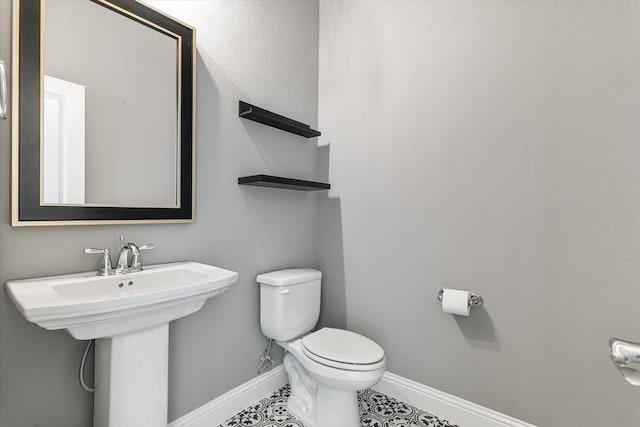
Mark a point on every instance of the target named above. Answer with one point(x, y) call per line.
point(265, 53)
point(491, 146)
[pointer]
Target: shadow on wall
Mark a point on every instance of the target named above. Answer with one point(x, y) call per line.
point(478, 329)
point(331, 262)
point(330, 253)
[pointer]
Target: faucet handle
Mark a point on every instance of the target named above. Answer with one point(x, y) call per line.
point(135, 252)
point(96, 251)
point(105, 264)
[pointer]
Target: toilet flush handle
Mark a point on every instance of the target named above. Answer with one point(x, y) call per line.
point(284, 291)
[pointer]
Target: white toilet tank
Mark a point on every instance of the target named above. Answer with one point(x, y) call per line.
point(289, 302)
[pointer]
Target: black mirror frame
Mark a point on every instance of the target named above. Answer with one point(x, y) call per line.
point(27, 110)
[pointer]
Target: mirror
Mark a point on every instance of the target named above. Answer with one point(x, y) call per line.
point(104, 130)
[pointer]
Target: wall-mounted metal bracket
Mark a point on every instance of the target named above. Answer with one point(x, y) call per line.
point(3, 91)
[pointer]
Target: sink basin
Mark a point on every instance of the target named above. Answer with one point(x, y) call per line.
point(90, 306)
point(128, 315)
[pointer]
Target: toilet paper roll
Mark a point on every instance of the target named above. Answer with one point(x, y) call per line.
point(456, 302)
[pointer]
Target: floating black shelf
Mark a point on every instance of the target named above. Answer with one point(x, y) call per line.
point(266, 117)
point(286, 183)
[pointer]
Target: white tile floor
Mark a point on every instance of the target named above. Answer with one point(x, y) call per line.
point(376, 410)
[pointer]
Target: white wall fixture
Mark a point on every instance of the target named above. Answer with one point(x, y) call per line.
point(458, 302)
point(129, 315)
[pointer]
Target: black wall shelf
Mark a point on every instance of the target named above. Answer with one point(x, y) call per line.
point(286, 183)
point(266, 117)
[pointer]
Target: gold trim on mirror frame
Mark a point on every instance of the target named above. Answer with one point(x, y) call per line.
point(15, 121)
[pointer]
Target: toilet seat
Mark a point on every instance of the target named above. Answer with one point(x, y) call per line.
point(342, 349)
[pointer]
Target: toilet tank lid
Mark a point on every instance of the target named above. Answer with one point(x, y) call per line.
point(293, 276)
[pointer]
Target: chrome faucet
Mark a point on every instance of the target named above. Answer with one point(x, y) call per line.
point(123, 260)
point(128, 259)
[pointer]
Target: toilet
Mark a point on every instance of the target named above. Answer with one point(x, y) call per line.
point(327, 367)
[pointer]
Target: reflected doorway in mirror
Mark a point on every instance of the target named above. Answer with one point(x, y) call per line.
point(63, 151)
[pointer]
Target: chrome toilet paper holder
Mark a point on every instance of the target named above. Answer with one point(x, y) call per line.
point(475, 300)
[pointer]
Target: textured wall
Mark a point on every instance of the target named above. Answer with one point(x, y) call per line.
point(491, 146)
point(265, 53)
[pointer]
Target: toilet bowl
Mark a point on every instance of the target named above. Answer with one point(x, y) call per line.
point(323, 389)
point(327, 367)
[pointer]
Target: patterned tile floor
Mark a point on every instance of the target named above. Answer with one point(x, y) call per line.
point(376, 410)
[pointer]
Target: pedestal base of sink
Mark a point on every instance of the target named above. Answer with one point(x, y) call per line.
point(131, 373)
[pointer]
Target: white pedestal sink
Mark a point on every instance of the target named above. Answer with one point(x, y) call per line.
point(129, 317)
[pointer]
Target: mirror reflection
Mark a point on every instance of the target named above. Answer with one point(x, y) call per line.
point(110, 109)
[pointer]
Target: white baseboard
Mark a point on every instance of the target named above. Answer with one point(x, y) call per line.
point(436, 402)
point(218, 410)
point(443, 405)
